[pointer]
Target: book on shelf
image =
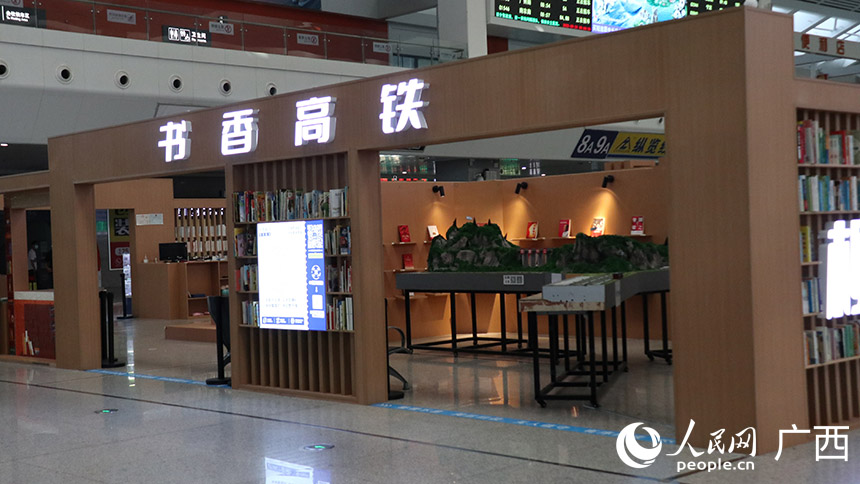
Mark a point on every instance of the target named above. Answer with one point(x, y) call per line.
point(564, 228)
point(432, 231)
point(637, 225)
point(345, 240)
point(245, 242)
point(335, 201)
point(340, 276)
point(810, 292)
point(407, 262)
point(597, 226)
point(339, 314)
point(532, 230)
point(251, 313)
point(806, 244)
point(825, 344)
point(403, 233)
point(246, 277)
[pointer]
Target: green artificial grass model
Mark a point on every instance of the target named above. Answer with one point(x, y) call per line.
point(473, 248)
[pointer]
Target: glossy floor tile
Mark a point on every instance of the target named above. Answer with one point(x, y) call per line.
point(469, 419)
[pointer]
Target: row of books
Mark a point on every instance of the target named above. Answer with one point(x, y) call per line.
point(284, 204)
point(825, 344)
point(339, 314)
point(811, 296)
point(247, 277)
point(251, 313)
point(338, 240)
point(807, 248)
point(820, 193)
point(814, 146)
point(196, 246)
point(340, 277)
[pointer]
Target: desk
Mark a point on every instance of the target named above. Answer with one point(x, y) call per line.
point(582, 296)
point(472, 283)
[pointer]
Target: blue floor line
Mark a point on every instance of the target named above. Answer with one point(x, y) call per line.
point(516, 421)
point(157, 378)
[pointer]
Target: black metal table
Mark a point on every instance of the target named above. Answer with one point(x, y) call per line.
point(583, 297)
point(473, 283)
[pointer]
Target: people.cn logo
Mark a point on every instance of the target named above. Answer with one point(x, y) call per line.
point(631, 452)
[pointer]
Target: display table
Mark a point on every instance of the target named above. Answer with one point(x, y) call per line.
point(176, 290)
point(471, 283)
point(34, 323)
point(582, 296)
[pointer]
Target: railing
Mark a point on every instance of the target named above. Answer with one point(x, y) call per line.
point(144, 23)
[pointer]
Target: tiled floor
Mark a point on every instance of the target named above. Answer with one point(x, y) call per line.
point(52, 430)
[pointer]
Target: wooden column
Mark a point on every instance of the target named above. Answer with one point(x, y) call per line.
point(18, 219)
point(735, 303)
point(365, 209)
point(73, 230)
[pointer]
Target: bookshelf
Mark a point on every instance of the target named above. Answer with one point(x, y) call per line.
point(204, 231)
point(302, 363)
point(826, 192)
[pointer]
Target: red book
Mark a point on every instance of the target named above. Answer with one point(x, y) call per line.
point(403, 230)
point(637, 225)
point(564, 228)
point(532, 230)
point(407, 261)
point(597, 227)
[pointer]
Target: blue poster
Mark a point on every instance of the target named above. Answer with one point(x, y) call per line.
point(612, 15)
point(291, 274)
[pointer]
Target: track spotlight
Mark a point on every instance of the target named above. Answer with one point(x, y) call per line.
point(521, 186)
point(439, 189)
point(607, 180)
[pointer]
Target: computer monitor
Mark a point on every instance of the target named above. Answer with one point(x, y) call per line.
point(173, 252)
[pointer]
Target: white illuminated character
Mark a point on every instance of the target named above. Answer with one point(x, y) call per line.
point(837, 270)
point(177, 141)
point(239, 132)
point(404, 97)
point(315, 120)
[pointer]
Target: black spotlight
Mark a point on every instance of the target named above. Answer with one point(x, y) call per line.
point(607, 180)
point(521, 186)
point(439, 189)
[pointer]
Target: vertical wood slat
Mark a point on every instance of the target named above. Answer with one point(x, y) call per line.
point(283, 377)
point(263, 348)
point(293, 360)
point(313, 363)
point(322, 361)
point(254, 354)
point(302, 360)
point(274, 356)
point(333, 363)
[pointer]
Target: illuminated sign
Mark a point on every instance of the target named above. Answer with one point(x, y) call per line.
point(402, 103)
point(570, 14)
point(23, 16)
point(696, 7)
point(292, 275)
point(239, 132)
point(613, 15)
point(840, 261)
point(177, 141)
point(315, 120)
point(599, 144)
point(181, 35)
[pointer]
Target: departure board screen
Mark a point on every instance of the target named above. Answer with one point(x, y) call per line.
point(696, 7)
point(570, 14)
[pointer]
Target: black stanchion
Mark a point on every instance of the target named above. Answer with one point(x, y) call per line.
point(106, 305)
point(219, 309)
point(126, 309)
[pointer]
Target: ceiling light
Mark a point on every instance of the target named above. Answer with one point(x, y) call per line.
point(4, 144)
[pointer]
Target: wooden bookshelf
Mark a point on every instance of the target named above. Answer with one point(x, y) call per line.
point(833, 387)
point(203, 229)
point(303, 363)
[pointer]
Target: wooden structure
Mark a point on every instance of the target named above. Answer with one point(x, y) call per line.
point(725, 84)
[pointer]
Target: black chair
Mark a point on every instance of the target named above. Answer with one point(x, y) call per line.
point(219, 310)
